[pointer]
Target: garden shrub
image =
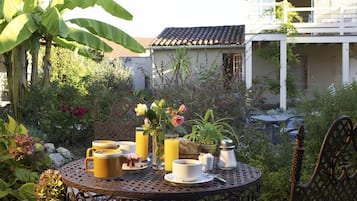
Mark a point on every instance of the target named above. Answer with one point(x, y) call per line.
point(319, 111)
point(22, 159)
point(62, 113)
point(206, 93)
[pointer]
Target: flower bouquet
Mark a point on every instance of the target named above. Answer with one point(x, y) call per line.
point(159, 121)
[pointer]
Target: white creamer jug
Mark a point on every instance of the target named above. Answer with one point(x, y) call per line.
point(207, 161)
point(227, 159)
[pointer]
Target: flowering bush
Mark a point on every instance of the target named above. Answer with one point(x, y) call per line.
point(22, 159)
point(50, 186)
point(75, 111)
point(161, 119)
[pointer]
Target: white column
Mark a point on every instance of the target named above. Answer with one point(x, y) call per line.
point(248, 65)
point(283, 74)
point(345, 62)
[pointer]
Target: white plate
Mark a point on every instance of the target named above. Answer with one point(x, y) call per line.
point(138, 166)
point(203, 179)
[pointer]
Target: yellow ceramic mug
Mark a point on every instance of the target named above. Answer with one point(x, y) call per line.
point(101, 144)
point(107, 163)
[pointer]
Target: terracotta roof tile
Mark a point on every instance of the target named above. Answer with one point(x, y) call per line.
point(199, 36)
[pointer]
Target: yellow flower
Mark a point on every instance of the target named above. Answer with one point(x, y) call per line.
point(141, 109)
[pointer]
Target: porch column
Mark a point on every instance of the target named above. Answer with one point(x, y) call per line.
point(283, 73)
point(248, 65)
point(345, 63)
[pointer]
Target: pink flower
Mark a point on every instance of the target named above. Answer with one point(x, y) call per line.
point(182, 108)
point(177, 120)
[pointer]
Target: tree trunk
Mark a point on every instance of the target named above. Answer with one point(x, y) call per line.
point(34, 68)
point(46, 62)
point(17, 82)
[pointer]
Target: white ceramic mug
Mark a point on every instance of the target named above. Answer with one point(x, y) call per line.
point(186, 169)
point(127, 146)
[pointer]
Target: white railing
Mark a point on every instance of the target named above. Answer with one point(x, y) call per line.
point(320, 20)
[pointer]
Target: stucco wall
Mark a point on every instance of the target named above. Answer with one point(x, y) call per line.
point(141, 68)
point(199, 59)
point(263, 69)
point(324, 65)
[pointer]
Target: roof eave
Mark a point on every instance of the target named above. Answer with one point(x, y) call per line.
point(196, 47)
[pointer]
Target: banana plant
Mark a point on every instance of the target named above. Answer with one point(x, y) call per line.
point(26, 24)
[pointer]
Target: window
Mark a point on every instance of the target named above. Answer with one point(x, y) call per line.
point(232, 68)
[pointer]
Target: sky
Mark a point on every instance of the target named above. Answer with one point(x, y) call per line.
point(150, 17)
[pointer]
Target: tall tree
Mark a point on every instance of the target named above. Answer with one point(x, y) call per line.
point(26, 24)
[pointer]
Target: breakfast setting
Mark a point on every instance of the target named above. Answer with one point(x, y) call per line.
point(163, 160)
point(108, 159)
point(187, 159)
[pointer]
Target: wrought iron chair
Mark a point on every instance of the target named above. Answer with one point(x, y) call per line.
point(120, 124)
point(291, 127)
point(335, 174)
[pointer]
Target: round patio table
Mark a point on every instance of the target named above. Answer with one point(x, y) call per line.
point(242, 183)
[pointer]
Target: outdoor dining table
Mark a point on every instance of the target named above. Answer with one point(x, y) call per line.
point(272, 123)
point(242, 183)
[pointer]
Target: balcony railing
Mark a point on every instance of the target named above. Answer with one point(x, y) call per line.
point(315, 21)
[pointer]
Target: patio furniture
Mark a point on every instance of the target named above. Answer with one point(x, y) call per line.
point(242, 183)
point(335, 174)
point(121, 122)
point(291, 126)
point(271, 124)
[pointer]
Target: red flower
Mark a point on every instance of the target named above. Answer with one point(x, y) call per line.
point(80, 111)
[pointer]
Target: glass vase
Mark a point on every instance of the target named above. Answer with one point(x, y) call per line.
point(158, 151)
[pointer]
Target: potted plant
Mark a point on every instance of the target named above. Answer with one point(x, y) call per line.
point(208, 132)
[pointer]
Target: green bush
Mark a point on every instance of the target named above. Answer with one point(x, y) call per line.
point(62, 113)
point(319, 112)
point(22, 159)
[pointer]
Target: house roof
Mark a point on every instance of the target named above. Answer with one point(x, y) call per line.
point(200, 36)
point(120, 51)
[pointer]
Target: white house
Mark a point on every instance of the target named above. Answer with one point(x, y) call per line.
point(326, 42)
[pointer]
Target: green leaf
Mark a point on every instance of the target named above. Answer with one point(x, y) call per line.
point(86, 38)
point(115, 9)
point(1, 10)
point(109, 32)
point(29, 5)
point(74, 46)
point(27, 192)
point(11, 125)
point(3, 184)
point(24, 175)
point(4, 188)
point(4, 157)
point(71, 4)
point(14, 128)
point(17, 31)
point(4, 193)
point(54, 23)
point(109, 6)
point(9, 9)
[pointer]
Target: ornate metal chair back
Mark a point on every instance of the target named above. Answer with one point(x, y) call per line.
point(335, 173)
point(120, 124)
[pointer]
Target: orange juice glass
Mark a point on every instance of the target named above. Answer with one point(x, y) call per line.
point(142, 143)
point(171, 150)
